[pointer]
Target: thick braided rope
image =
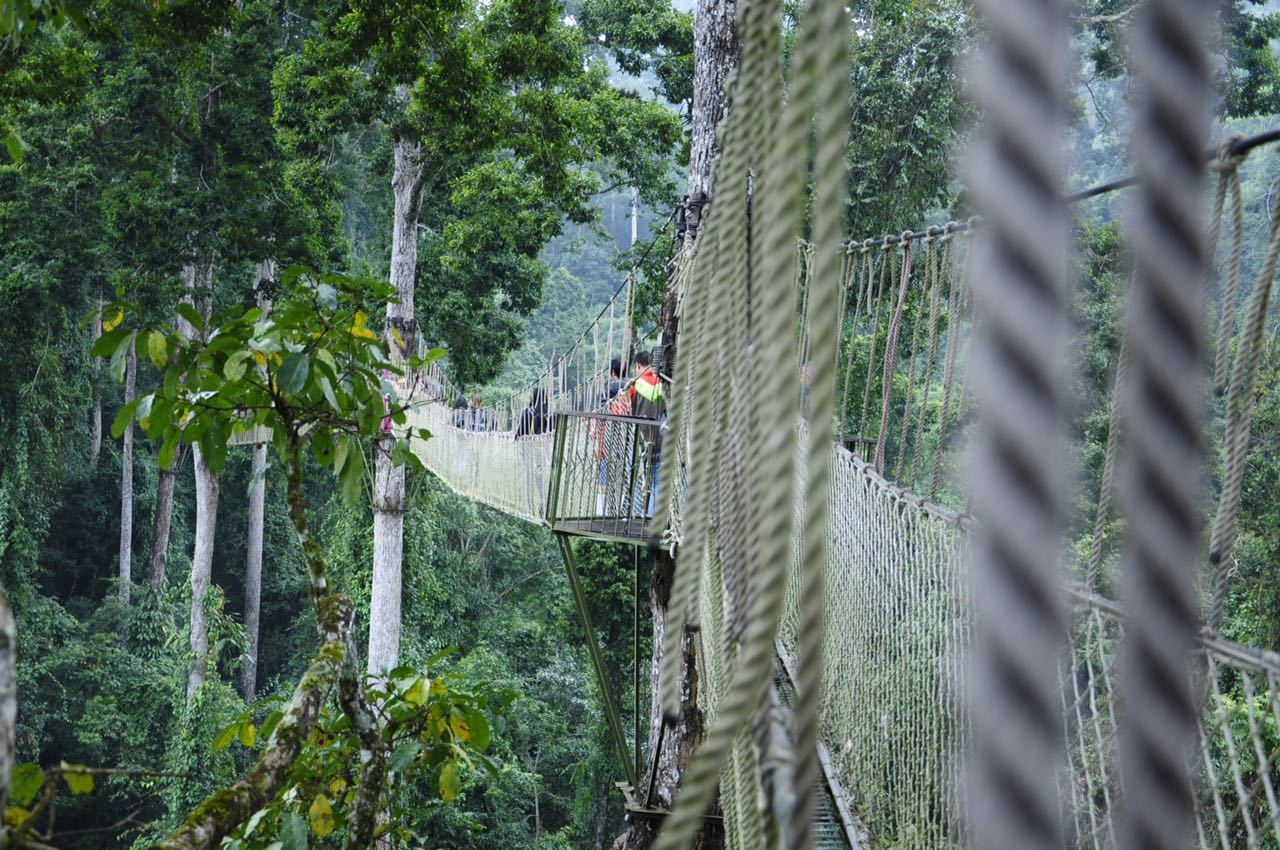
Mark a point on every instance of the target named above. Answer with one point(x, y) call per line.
point(1107, 487)
point(868, 268)
point(890, 364)
point(1163, 422)
point(1019, 478)
point(931, 279)
point(943, 259)
point(780, 188)
point(1240, 401)
point(1228, 177)
point(955, 298)
point(827, 24)
point(887, 257)
point(728, 214)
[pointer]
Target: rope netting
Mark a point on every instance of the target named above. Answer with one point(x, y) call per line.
point(840, 537)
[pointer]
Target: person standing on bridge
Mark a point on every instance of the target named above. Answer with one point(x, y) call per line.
point(477, 416)
point(535, 419)
point(647, 401)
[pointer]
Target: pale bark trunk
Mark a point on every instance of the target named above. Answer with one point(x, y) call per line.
point(388, 481)
point(95, 422)
point(8, 698)
point(253, 569)
point(201, 570)
point(257, 521)
point(126, 482)
point(162, 524)
point(716, 56)
point(206, 512)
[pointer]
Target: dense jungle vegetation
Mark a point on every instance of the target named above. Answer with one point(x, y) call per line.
point(187, 152)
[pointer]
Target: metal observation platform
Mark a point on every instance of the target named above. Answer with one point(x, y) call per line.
point(603, 476)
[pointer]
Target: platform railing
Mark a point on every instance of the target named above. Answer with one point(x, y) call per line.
point(603, 475)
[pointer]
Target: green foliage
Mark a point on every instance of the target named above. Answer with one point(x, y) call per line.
point(310, 371)
point(438, 729)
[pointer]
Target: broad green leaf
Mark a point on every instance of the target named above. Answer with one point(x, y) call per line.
point(327, 388)
point(14, 144)
point(226, 736)
point(269, 725)
point(254, 821)
point(28, 779)
point(328, 296)
point(293, 373)
point(119, 360)
point(352, 477)
point(167, 450)
point(248, 734)
point(480, 734)
point(321, 816)
point(234, 368)
point(325, 357)
point(293, 832)
point(123, 418)
point(158, 349)
point(450, 783)
point(78, 782)
point(403, 756)
point(340, 449)
point(106, 345)
point(188, 311)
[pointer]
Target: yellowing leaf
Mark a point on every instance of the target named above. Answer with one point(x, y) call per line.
point(437, 687)
point(337, 785)
point(157, 349)
point(395, 334)
point(78, 780)
point(450, 784)
point(460, 728)
point(417, 693)
point(321, 816)
point(260, 358)
point(16, 816)
point(110, 324)
point(248, 734)
point(358, 328)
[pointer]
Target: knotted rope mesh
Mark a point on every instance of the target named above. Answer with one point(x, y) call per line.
point(745, 506)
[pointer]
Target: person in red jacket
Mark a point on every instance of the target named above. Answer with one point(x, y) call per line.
point(648, 401)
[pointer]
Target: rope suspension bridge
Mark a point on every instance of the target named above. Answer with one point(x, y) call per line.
point(864, 475)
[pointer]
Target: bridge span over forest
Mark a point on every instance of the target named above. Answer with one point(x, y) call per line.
point(865, 482)
point(943, 545)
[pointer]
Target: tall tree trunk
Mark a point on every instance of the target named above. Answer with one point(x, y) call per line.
point(126, 481)
point(716, 55)
point(95, 422)
point(8, 698)
point(201, 570)
point(253, 569)
point(388, 480)
point(200, 282)
point(162, 523)
point(257, 520)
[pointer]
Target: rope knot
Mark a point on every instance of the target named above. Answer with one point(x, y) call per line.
point(866, 245)
point(887, 244)
point(1226, 161)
